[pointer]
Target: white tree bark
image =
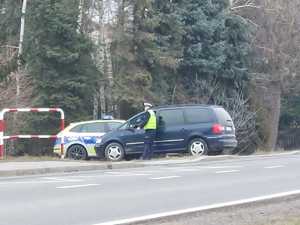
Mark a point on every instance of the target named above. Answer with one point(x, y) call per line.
point(20, 52)
point(80, 12)
point(103, 17)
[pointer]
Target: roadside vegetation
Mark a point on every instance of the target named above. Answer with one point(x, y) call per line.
point(96, 57)
point(289, 222)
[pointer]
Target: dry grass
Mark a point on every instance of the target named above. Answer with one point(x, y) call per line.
point(27, 158)
point(294, 221)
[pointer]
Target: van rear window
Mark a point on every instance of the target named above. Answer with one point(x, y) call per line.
point(199, 115)
point(222, 115)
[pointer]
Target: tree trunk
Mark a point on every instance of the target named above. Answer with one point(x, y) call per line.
point(274, 115)
point(109, 77)
point(102, 99)
point(80, 12)
point(20, 52)
point(96, 106)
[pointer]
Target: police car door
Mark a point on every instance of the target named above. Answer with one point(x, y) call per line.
point(90, 132)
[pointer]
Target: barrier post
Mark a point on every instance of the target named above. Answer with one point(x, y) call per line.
point(1, 134)
point(62, 127)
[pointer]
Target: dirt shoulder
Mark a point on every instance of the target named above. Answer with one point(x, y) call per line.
point(283, 211)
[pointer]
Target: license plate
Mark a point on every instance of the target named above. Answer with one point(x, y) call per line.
point(228, 128)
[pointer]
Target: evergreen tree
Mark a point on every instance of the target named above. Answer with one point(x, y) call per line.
point(147, 56)
point(166, 51)
point(59, 58)
point(216, 44)
point(10, 14)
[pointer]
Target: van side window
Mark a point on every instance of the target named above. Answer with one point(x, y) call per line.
point(199, 115)
point(170, 117)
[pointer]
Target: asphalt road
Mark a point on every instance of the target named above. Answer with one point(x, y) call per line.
point(90, 198)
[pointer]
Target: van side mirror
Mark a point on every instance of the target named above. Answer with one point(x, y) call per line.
point(131, 128)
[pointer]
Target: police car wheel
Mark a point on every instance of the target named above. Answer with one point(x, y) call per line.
point(114, 152)
point(77, 152)
point(197, 147)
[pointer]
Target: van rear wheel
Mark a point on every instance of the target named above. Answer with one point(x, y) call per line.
point(197, 147)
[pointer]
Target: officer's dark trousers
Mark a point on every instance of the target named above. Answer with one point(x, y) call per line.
point(149, 139)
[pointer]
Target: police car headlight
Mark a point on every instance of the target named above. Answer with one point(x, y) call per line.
point(98, 141)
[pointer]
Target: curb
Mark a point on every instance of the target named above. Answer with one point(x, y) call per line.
point(124, 165)
point(66, 169)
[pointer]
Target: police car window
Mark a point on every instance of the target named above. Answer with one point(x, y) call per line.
point(171, 117)
point(93, 128)
point(199, 115)
point(76, 129)
point(112, 126)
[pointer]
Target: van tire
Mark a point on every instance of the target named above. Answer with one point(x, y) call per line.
point(197, 147)
point(114, 152)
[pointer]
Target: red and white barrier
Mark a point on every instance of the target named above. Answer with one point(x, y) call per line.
point(11, 137)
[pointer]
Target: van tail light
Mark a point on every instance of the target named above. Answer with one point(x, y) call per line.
point(217, 129)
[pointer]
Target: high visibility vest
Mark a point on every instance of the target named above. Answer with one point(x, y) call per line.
point(151, 124)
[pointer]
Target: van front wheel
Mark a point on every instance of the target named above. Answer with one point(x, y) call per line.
point(114, 152)
point(197, 147)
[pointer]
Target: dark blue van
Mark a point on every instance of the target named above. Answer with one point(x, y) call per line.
point(197, 129)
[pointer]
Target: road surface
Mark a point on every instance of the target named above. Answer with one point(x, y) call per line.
point(96, 197)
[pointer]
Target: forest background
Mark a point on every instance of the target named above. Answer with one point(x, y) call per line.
point(99, 57)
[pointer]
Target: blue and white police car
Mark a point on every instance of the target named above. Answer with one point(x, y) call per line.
point(80, 138)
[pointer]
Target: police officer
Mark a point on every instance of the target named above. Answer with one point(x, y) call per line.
point(150, 131)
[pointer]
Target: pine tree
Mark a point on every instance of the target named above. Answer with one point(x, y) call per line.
point(148, 55)
point(216, 44)
point(10, 14)
point(59, 58)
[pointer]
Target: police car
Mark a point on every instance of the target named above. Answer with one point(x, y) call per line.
point(80, 138)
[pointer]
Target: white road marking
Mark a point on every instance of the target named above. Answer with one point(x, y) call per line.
point(77, 186)
point(114, 173)
point(227, 171)
point(126, 174)
point(197, 168)
point(181, 169)
point(62, 179)
point(31, 182)
point(200, 208)
point(222, 167)
point(162, 178)
point(81, 176)
point(186, 170)
point(273, 167)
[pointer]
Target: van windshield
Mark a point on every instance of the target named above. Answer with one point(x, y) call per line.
point(130, 121)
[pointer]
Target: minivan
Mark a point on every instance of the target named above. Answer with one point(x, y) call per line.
point(196, 129)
